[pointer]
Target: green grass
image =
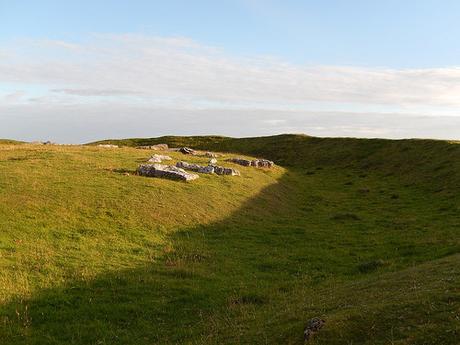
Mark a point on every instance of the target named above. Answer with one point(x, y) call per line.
point(363, 233)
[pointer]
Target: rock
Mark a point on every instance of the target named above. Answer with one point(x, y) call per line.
point(313, 326)
point(262, 163)
point(107, 145)
point(157, 147)
point(48, 143)
point(195, 167)
point(158, 158)
point(259, 163)
point(226, 171)
point(160, 147)
point(213, 161)
point(187, 151)
point(211, 155)
point(165, 171)
point(240, 161)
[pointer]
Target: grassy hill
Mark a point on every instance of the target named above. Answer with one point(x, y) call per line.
point(363, 233)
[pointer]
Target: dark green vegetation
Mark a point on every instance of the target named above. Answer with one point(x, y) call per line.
point(363, 233)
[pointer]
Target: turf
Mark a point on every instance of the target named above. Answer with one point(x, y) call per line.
point(363, 233)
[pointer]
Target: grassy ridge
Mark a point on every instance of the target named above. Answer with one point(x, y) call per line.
point(434, 162)
point(350, 231)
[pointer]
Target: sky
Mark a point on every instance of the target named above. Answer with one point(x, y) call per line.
point(77, 71)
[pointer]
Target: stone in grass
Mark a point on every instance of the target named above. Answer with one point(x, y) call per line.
point(312, 327)
point(107, 145)
point(213, 161)
point(187, 151)
point(240, 161)
point(160, 147)
point(211, 154)
point(259, 163)
point(226, 171)
point(158, 158)
point(157, 147)
point(262, 163)
point(195, 167)
point(165, 171)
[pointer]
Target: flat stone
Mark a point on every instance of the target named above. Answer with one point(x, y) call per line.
point(259, 163)
point(226, 171)
point(262, 163)
point(107, 145)
point(157, 147)
point(211, 154)
point(165, 171)
point(160, 147)
point(240, 161)
point(195, 167)
point(158, 158)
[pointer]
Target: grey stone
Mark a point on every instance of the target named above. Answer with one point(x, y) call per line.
point(107, 145)
point(226, 171)
point(259, 163)
point(195, 167)
point(313, 326)
point(211, 154)
point(158, 158)
point(187, 151)
point(262, 163)
point(157, 147)
point(240, 161)
point(165, 171)
point(160, 147)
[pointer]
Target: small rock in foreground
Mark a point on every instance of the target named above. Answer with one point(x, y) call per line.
point(313, 326)
point(195, 167)
point(165, 171)
point(212, 161)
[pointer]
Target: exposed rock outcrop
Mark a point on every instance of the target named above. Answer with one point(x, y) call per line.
point(226, 171)
point(196, 167)
point(165, 171)
point(157, 147)
point(158, 158)
point(211, 154)
point(262, 163)
point(107, 145)
point(187, 151)
point(259, 163)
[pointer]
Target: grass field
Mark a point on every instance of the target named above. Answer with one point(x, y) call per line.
point(363, 233)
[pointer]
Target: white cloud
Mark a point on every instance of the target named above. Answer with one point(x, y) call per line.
point(183, 87)
point(184, 70)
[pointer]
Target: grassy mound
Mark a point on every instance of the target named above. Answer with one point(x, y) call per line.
point(363, 233)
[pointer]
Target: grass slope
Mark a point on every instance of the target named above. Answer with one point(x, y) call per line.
point(363, 233)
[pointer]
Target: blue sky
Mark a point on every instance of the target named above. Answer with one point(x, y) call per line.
point(388, 59)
